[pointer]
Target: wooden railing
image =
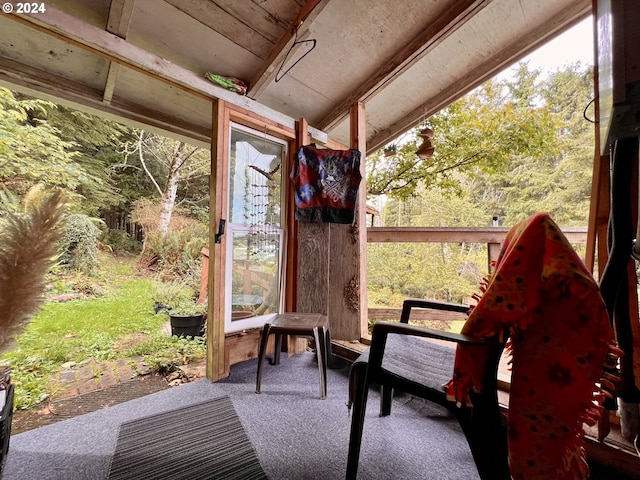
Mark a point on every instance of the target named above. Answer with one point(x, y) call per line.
point(491, 236)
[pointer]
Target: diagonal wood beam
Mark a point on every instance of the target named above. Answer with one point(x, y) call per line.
point(266, 73)
point(120, 13)
point(476, 77)
point(434, 34)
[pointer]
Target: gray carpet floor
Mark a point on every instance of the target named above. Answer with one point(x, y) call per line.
point(296, 435)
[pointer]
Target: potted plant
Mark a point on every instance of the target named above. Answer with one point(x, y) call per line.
point(188, 319)
point(177, 300)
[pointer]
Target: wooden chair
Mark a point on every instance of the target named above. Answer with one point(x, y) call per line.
point(543, 297)
point(400, 358)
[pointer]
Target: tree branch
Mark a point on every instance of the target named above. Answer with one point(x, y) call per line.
point(144, 165)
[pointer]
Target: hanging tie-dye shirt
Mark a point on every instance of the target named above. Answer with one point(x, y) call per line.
point(326, 184)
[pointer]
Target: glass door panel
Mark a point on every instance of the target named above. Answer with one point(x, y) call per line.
point(255, 231)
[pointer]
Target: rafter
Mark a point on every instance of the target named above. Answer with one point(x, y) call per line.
point(32, 79)
point(478, 76)
point(71, 30)
point(120, 13)
point(428, 39)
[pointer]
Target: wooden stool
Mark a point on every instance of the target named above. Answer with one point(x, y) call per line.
point(302, 324)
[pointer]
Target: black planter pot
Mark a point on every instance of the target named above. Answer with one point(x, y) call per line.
point(187, 325)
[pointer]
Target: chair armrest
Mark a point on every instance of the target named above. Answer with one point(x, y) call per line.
point(411, 303)
point(382, 329)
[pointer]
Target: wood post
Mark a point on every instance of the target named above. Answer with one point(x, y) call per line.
point(215, 337)
point(332, 257)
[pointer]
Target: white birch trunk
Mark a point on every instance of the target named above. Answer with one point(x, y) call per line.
point(171, 190)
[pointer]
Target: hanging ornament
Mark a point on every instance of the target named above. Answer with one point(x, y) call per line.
point(426, 149)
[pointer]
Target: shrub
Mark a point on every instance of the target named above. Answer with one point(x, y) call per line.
point(79, 243)
point(120, 242)
point(176, 255)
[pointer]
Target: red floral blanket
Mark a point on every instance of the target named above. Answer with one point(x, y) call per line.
point(543, 296)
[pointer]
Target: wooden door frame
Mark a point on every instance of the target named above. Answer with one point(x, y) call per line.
point(219, 347)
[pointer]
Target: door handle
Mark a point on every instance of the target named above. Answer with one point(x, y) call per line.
point(218, 237)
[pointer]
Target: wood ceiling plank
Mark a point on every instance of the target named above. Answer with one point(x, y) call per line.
point(104, 44)
point(266, 73)
point(476, 77)
point(241, 32)
point(457, 15)
point(258, 15)
point(283, 11)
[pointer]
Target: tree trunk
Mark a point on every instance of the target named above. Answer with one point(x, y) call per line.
point(171, 190)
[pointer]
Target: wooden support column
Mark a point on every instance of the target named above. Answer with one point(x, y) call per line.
point(347, 256)
point(312, 274)
point(493, 251)
point(332, 257)
point(216, 365)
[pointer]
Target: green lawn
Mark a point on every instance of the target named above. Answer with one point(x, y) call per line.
point(119, 322)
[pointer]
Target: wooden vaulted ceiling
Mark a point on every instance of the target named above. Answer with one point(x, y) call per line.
point(143, 61)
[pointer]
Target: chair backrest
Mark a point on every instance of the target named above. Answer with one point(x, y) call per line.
point(543, 295)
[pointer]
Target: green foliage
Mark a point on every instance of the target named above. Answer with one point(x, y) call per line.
point(477, 135)
point(177, 255)
point(511, 148)
point(177, 298)
point(41, 143)
point(560, 181)
point(79, 244)
point(31, 150)
point(120, 242)
point(447, 271)
point(94, 143)
point(165, 354)
point(99, 328)
point(189, 309)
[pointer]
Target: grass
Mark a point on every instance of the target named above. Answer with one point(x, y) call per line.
point(119, 323)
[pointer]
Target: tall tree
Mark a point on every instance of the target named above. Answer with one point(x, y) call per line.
point(560, 181)
point(169, 164)
point(97, 144)
point(44, 143)
point(31, 150)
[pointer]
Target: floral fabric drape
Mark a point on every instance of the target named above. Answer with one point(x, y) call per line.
point(543, 296)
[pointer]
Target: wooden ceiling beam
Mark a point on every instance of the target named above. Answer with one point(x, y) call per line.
point(120, 13)
point(455, 17)
point(36, 82)
point(267, 71)
point(474, 78)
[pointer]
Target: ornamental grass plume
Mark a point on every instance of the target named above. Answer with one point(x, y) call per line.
point(27, 252)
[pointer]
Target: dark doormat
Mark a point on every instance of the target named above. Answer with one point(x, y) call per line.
point(198, 442)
